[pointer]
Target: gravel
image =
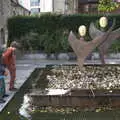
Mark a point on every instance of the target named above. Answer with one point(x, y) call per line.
point(65, 77)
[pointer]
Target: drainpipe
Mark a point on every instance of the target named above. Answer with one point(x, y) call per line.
point(76, 6)
point(53, 6)
point(65, 9)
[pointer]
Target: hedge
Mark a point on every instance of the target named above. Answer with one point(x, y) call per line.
point(49, 32)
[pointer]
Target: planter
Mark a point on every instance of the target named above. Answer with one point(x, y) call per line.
point(92, 87)
point(79, 98)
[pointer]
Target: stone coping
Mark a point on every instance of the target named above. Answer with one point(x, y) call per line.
point(68, 56)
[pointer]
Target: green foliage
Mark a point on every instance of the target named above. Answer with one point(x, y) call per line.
point(55, 42)
point(30, 41)
point(115, 47)
point(107, 5)
point(49, 32)
point(49, 43)
point(21, 25)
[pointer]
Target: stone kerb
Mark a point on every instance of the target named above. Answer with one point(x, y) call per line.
point(68, 56)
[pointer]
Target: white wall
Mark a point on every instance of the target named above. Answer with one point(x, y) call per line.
point(59, 6)
point(46, 5)
point(25, 3)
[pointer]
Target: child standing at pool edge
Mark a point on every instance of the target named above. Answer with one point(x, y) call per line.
point(3, 73)
point(10, 62)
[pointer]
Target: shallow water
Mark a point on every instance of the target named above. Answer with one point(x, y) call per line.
point(12, 111)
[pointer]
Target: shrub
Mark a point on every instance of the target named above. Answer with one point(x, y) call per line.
point(50, 31)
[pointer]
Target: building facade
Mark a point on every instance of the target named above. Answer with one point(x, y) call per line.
point(85, 6)
point(9, 8)
point(41, 6)
point(64, 6)
point(35, 6)
point(46, 6)
point(25, 4)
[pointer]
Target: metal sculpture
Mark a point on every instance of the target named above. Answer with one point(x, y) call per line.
point(82, 48)
point(103, 48)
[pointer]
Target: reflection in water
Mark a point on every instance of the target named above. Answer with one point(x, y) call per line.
point(26, 107)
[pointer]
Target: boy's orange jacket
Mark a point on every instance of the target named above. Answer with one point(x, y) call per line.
point(8, 56)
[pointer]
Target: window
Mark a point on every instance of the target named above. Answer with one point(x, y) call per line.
point(88, 1)
point(35, 10)
point(35, 2)
point(14, 13)
point(93, 0)
point(20, 1)
point(2, 33)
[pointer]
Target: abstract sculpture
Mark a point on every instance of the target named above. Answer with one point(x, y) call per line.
point(101, 40)
point(103, 48)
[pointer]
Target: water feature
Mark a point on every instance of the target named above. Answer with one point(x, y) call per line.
point(26, 108)
point(20, 108)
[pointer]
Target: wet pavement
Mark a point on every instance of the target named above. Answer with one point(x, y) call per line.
point(25, 67)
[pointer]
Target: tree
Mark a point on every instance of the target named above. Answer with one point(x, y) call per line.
point(107, 5)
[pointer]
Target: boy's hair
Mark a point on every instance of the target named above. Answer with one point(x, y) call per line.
point(14, 44)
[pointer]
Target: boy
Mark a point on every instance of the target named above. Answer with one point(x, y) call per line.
point(10, 62)
point(3, 73)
